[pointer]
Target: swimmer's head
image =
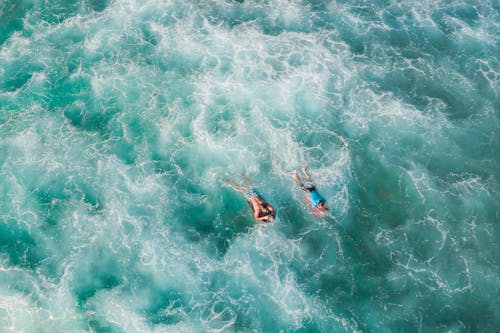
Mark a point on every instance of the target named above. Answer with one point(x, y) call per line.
point(270, 218)
point(322, 206)
point(309, 187)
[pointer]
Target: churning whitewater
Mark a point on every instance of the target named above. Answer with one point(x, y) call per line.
point(121, 122)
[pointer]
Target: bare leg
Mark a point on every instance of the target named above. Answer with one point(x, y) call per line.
point(235, 186)
point(304, 167)
point(247, 181)
point(297, 178)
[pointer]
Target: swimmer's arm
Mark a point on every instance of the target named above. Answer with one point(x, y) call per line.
point(256, 211)
point(308, 200)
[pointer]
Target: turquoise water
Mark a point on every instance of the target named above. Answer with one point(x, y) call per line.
point(121, 119)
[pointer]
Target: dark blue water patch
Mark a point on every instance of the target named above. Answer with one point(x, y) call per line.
point(362, 39)
point(477, 204)
point(398, 38)
point(481, 78)
point(432, 43)
point(430, 39)
point(125, 151)
point(74, 95)
point(334, 287)
point(67, 89)
point(392, 17)
point(418, 89)
point(242, 322)
point(477, 311)
point(162, 165)
point(356, 42)
point(12, 13)
point(316, 6)
point(294, 214)
point(473, 311)
point(51, 197)
point(369, 260)
point(162, 300)
point(17, 74)
point(49, 191)
point(443, 164)
point(101, 272)
point(86, 117)
point(58, 11)
point(479, 156)
point(322, 250)
point(149, 35)
point(98, 5)
point(19, 245)
point(235, 14)
point(426, 238)
point(466, 13)
point(323, 19)
point(87, 193)
point(72, 60)
point(311, 325)
point(380, 192)
point(138, 127)
point(197, 219)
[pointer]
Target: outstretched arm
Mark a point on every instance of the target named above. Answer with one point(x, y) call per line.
point(263, 218)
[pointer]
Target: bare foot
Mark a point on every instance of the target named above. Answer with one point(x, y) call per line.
point(247, 181)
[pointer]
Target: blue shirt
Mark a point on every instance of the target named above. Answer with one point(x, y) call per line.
point(315, 198)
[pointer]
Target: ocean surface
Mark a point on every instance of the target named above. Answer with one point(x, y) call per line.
point(121, 122)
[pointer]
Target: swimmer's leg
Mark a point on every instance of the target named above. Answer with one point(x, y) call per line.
point(247, 181)
point(232, 184)
point(297, 178)
point(304, 171)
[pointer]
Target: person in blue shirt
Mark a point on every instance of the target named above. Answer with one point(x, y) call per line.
point(315, 201)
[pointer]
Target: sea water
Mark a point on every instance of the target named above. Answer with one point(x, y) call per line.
point(121, 121)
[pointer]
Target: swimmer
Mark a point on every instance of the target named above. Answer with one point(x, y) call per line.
point(262, 210)
point(315, 201)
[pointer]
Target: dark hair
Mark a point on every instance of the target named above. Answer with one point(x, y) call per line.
point(309, 187)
